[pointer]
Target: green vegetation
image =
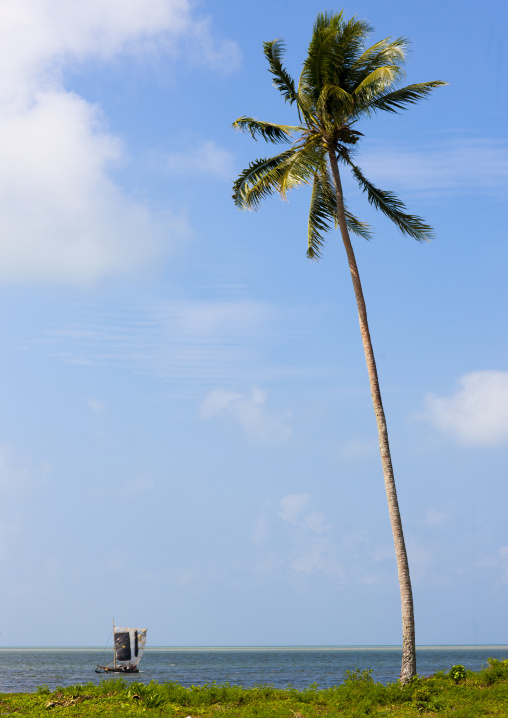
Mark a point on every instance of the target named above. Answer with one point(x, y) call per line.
point(459, 693)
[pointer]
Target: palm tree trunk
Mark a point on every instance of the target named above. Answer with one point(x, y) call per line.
point(408, 669)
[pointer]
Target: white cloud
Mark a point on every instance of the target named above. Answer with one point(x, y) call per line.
point(63, 217)
point(205, 157)
point(477, 413)
point(464, 164)
point(260, 425)
point(39, 36)
point(292, 506)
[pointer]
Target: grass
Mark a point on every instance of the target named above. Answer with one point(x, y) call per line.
point(458, 693)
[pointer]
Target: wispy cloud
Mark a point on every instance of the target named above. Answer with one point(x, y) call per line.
point(314, 550)
point(292, 506)
point(297, 539)
point(206, 343)
point(307, 539)
point(476, 414)
point(198, 340)
point(261, 425)
point(453, 165)
point(318, 557)
point(56, 150)
point(206, 49)
point(205, 157)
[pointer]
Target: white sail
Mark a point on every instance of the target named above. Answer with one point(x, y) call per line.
point(129, 645)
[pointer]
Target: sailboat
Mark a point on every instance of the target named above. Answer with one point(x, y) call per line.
point(128, 647)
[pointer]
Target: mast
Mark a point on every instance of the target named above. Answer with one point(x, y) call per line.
point(114, 646)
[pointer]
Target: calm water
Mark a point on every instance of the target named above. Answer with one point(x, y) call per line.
point(25, 669)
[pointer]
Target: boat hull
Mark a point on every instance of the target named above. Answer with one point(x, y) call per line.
point(118, 669)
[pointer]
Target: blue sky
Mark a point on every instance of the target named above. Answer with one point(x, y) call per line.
point(187, 440)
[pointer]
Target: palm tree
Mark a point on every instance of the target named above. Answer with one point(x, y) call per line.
point(342, 82)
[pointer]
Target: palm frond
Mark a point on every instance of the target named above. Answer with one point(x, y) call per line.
point(386, 51)
point(347, 46)
point(301, 167)
point(269, 131)
point(306, 111)
point(259, 180)
point(314, 71)
point(320, 219)
point(378, 80)
point(356, 226)
point(323, 215)
point(398, 99)
point(388, 203)
point(274, 52)
point(334, 48)
point(344, 102)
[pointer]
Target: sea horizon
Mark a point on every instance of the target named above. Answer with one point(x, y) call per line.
point(349, 647)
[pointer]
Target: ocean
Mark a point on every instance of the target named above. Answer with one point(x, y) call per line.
point(24, 669)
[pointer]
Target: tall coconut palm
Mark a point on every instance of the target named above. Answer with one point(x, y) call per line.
point(342, 82)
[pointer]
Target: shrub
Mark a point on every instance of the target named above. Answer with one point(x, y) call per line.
point(457, 673)
point(357, 677)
